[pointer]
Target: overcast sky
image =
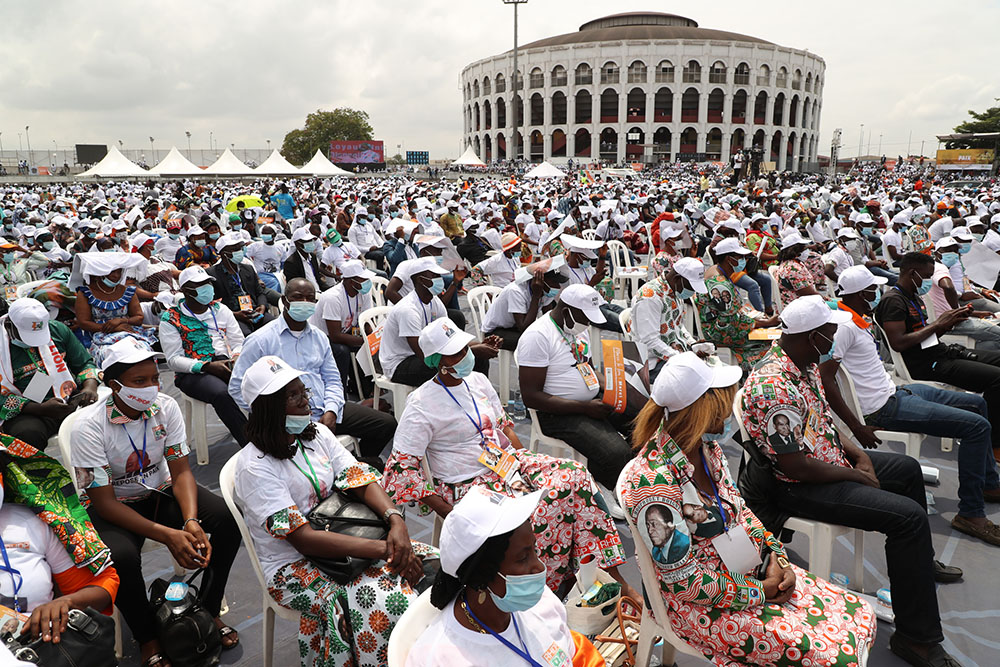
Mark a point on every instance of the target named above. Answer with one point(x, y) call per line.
point(110, 70)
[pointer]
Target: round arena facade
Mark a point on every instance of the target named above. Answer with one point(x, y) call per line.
point(646, 87)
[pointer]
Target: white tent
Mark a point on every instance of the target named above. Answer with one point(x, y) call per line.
point(176, 164)
point(319, 165)
point(469, 159)
point(545, 170)
point(276, 165)
point(114, 164)
point(228, 164)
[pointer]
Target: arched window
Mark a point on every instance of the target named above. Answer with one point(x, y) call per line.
point(537, 109)
point(501, 84)
point(741, 77)
point(609, 106)
point(665, 72)
point(760, 109)
point(609, 144)
point(692, 72)
point(486, 86)
point(716, 103)
point(778, 117)
point(764, 76)
point(584, 75)
point(559, 108)
point(635, 105)
point(739, 106)
point(637, 72)
point(797, 80)
point(487, 115)
point(809, 82)
point(536, 79)
point(501, 113)
point(558, 143)
point(717, 73)
point(558, 75)
point(475, 88)
point(690, 102)
point(781, 81)
point(581, 143)
point(475, 115)
point(663, 105)
point(609, 72)
point(584, 107)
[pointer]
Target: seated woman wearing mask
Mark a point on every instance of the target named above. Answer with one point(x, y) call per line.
point(491, 590)
point(291, 466)
point(109, 310)
point(150, 493)
point(728, 587)
point(795, 279)
point(456, 421)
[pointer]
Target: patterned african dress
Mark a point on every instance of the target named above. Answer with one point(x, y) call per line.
point(663, 262)
point(103, 311)
point(817, 267)
point(918, 239)
point(725, 322)
point(793, 275)
point(717, 611)
point(754, 237)
point(571, 522)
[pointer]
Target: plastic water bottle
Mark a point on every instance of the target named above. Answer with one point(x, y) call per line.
point(516, 409)
point(841, 580)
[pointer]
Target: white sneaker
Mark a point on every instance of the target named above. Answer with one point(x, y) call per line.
point(609, 498)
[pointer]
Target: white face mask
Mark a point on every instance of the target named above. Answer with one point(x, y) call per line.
point(138, 398)
point(576, 328)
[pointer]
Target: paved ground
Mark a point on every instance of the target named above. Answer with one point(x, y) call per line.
point(969, 609)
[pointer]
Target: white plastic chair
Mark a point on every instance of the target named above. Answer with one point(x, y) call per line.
point(625, 322)
point(775, 288)
point(911, 441)
point(378, 290)
point(417, 618)
point(654, 618)
point(196, 422)
point(621, 262)
point(480, 300)
point(369, 321)
point(227, 483)
point(821, 535)
point(589, 234)
point(25, 288)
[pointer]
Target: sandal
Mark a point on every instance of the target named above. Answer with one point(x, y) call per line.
point(155, 660)
point(224, 632)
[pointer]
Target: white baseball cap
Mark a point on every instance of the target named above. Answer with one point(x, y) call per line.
point(478, 516)
point(792, 239)
point(266, 376)
point(694, 271)
point(228, 239)
point(586, 299)
point(857, 278)
point(585, 247)
point(807, 313)
point(847, 233)
point(355, 269)
point(194, 274)
point(31, 318)
point(946, 242)
point(730, 246)
point(128, 350)
point(442, 336)
point(302, 234)
point(686, 377)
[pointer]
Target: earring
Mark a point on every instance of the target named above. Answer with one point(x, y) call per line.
point(482, 596)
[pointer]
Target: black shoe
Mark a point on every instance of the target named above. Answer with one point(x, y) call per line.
point(936, 656)
point(946, 574)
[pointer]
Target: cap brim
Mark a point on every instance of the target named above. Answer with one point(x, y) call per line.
point(593, 314)
point(698, 286)
point(725, 376)
point(433, 269)
point(132, 358)
point(839, 317)
point(456, 343)
point(515, 512)
point(35, 338)
point(741, 251)
point(277, 381)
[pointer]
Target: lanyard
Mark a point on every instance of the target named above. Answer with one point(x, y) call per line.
point(423, 311)
point(574, 348)
point(15, 582)
point(313, 479)
point(718, 501)
point(523, 651)
point(585, 280)
point(347, 298)
point(478, 421)
point(202, 322)
point(920, 311)
point(142, 457)
point(236, 279)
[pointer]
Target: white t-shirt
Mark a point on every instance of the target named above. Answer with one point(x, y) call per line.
point(364, 236)
point(266, 485)
point(940, 228)
point(855, 349)
point(840, 259)
point(266, 258)
point(100, 447)
point(894, 239)
point(542, 345)
point(543, 629)
point(334, 305)
point(406, 319)
point(500, 268)
point(167, 247)
point(514, 298)
point(336, 255)
point(34, 551)
point(580, 275)
point(432, 425)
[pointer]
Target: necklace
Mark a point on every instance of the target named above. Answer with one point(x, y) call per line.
point(472, 621)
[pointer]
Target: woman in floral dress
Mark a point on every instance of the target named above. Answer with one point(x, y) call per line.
point(735, 609)
point(795, 278)
point(450, 424)
point(291, 466)
point(108, 312)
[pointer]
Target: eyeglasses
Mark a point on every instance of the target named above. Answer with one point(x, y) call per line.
point(295, 397)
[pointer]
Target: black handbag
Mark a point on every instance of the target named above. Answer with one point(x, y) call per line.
point(89, 641)
point(187, 632)
point(341, 514)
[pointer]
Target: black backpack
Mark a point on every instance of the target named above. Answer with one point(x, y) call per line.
point(187, 632)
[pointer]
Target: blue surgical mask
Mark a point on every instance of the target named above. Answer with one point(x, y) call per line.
point(875, 302)
point(439, 259)
point(685, 294)
point(19, 343)
point(91, 235)
point(727, 430)
point(236, 226)
point(964, 248)
point(516, 256)
point(366, 287)
point(523, 592)
point(949, 259)
point(173, 235)
point(300, 311)
point(237, 256)
point(741, 264)
point(978, 237)
point(464, 368)
point(436, 286)
point(925, 286)
point(828, 355)
point(295, 424)
point(267, 238)
point(309, 246)
point(109, 283)
point(48, 245)
point(204, 294)
point(552, 292)
point(200, 243)
point(8, 257)
point(214, 236)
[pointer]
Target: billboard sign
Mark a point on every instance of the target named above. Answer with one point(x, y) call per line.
point(965, 158)
point(417, 157)
point(357, 152)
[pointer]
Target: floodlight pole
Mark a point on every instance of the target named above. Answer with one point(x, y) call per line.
point(514, 80)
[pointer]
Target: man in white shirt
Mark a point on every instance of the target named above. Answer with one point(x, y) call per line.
point(267, 257)
point(839, 258)
point(913, 408)
point(166, 247)
point(337, 312)
point(892, 239)
point(200, 340)
point(500, 268)
point(558, 380)
point(367, 238)
point(521, 302)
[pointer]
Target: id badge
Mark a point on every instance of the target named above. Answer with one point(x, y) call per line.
point(10, 292)
point(245, 302)
point(356, 331)
point(737, 550)
point(588, 375)
point(498, 460)
point(810, 434)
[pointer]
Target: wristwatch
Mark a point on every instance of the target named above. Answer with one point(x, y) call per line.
point(391, 511)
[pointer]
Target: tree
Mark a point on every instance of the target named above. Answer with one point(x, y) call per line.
point(322, 127)
point(396, 159)
point(987, 121)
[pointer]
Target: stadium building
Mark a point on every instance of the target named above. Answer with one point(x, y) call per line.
point(647, 87)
